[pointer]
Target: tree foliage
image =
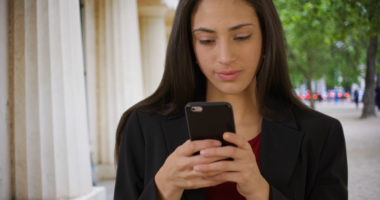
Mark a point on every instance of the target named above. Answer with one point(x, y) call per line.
point(361, 19)
point(308, 32)
point(328, 38)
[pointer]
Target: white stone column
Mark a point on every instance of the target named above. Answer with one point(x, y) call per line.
point(5, 178)
point(52, 157)
point(113, 64)
point(128, 55)
point(153, 40)
point(90, 43)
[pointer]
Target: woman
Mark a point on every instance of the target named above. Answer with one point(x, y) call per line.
point(232, 51)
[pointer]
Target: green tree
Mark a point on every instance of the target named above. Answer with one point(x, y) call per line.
point(331, 39)
point(361, 19)
point(308, 31)
point(346, 57)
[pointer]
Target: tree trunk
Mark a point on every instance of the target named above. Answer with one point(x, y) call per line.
point(308, 83)
point(369, 99)
point(309, 78)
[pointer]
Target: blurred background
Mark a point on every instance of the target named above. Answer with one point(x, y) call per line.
point(70, 68)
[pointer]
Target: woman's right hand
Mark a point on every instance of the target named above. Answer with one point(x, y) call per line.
point(177, 173)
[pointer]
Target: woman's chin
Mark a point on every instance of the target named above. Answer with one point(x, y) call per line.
point(228, 88)
point(231, 89)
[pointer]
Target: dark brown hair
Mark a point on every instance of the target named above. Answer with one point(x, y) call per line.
point(183, 81)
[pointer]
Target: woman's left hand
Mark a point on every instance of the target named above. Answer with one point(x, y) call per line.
point(242, 170)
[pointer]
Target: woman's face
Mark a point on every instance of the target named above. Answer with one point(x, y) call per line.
point(227, 42)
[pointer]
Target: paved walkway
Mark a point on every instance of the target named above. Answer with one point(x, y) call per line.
point(363, 150)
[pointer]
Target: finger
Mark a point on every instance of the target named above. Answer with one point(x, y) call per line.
point(190, 147)
point(237, 177)
point(188, 163)
point(200, 182)
point(217, 168)
point(200, 159)
point(236, 139)
point(207, 174)
point(226, 152)
point(227, 176)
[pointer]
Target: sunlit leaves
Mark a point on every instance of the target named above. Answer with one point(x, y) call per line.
point(328, 38)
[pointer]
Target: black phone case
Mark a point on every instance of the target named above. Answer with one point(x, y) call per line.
point(211, 122)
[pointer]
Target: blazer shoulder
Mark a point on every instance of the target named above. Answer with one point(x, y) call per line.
point(148, 115)
point(316, 124)
point(136, 120)
point(145, 115)
point(313, 118)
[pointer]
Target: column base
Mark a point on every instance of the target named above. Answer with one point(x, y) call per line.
point(105, 171)
point(97, 193)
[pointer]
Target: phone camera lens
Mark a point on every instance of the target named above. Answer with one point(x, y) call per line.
point(196, 108)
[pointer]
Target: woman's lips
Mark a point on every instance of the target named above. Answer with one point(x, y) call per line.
point(228, 75)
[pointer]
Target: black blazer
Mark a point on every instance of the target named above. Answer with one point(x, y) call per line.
point(301, 157)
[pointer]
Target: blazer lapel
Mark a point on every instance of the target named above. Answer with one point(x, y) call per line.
point(280, 148)
point(176, 133)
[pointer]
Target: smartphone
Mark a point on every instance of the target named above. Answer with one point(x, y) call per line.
point(209, 120)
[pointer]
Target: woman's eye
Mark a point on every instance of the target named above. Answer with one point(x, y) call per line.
point(243, 37)
point(206, 42)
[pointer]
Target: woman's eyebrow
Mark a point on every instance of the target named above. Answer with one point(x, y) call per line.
point(204, 30)
point(230, 29)
point(239, 26)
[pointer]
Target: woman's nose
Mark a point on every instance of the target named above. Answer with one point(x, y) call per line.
point(226, 53)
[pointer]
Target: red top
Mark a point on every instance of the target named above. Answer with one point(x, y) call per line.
point(228, 190)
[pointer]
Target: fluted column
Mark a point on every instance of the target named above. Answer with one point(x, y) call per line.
point(114, 74)
point(49, 122)
point(5, 171)
point(153, 40)
point(91, 71)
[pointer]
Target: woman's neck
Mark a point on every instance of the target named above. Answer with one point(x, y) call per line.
point(244, 104)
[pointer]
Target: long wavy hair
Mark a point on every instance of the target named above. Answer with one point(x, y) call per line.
point(183, 80)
